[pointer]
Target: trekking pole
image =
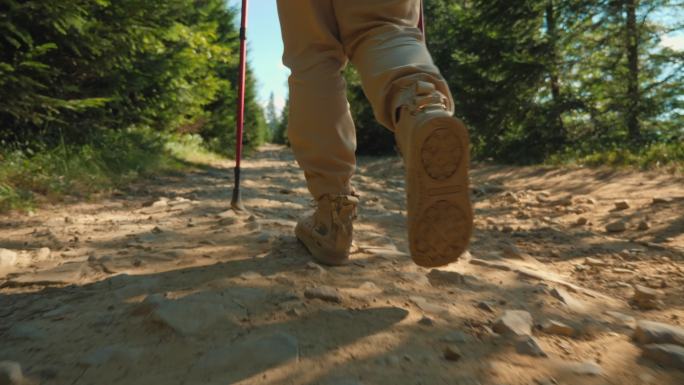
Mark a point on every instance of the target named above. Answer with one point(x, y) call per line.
point(236, 202)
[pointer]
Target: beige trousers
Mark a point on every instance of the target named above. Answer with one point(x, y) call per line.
point(383, 42)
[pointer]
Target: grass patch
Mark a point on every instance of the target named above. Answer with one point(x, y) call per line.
point(111, 160)
point(663, 156)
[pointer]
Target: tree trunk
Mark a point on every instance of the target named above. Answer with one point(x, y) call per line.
point(633, 91)
point(554, 78)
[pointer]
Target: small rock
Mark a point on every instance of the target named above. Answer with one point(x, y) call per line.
point(250, 275)
point(662, 200)
point(643, 226)
point(511, 251)
point(314, 267)
point(666, 355)
point(163, 202)
point(588, 368)
point(558, 328)
point(570, 301)
point(264, 238)
point(594, 262)
point(68, 220)
point(528, 345)
point(616, 227)
point(157, 230)
point(581, 221)
point(43, 254)
point(325, 293)
point(426, 321)
point(625, 319)
point(452, 353)
point(621, 205)
point(457, 337)
point(649, 332)
point(427, 306)
point(514, 322)
point(646, 298)
point(10, 373)
point(619, 270)
point(486, 306)
point(8, 258)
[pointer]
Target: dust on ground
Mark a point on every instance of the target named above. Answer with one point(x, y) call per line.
point(163, 284)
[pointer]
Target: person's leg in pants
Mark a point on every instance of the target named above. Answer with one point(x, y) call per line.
point(410, 97)
point(320, 127)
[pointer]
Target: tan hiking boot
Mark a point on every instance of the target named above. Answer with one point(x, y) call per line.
point(328, 232)
point(436, 155)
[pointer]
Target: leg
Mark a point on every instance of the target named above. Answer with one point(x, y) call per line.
point(320, 129)
point(384, 43)
point(410, 97)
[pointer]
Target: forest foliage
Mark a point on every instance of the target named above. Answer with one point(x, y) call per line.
point(556, 79)
point(74, 70)
point(96, 92)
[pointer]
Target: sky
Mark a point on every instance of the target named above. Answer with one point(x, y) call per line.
point(265, 50)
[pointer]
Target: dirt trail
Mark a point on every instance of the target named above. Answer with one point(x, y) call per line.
point(163, 284)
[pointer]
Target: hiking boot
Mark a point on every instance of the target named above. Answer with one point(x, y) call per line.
point(434, 146)
point(328, 232)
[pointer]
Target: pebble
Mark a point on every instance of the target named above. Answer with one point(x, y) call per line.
point(486, 306)
point(662, 200)
point(452, 353)
point(514, 322)
point(8, 258)
point(10, 373)
point(581, 221)
point(250, 275)
point(527, 345)
point(616, 227)
point(646, 298)
point(666, 355)
point(649, 332)
point(457, 336)
point(426, 306)
point(558, 328)
point(594, 262)
point(426, 321)
point(313, 266)
point(570, 301)
point(325, 293)
point(163, 202)
point(589, 368)
point(643, 226)
point(43, 254)
point(621, 205)
point(625, 319)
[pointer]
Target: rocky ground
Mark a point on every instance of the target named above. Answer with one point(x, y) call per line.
point(574, 276)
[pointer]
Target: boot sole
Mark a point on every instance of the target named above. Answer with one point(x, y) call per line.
point(438, 198)
point(318, 252)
